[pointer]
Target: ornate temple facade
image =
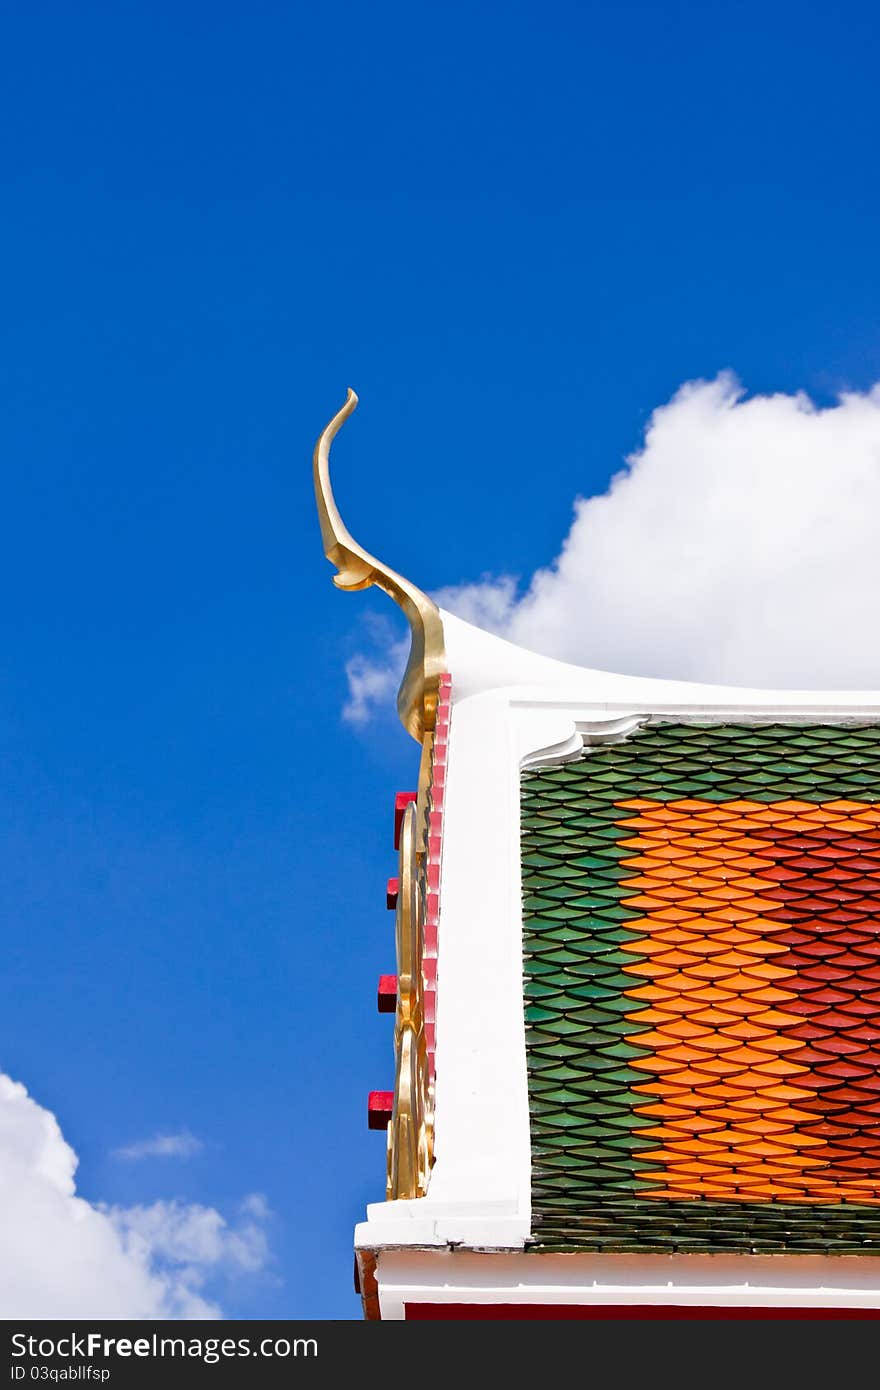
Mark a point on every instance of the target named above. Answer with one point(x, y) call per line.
point(637, 1002)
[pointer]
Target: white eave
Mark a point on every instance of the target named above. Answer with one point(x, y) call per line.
point(480, 662)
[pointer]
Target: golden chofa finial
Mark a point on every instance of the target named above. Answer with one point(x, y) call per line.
point(357, 569)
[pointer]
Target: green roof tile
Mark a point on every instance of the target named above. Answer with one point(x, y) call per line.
point(591, 1179)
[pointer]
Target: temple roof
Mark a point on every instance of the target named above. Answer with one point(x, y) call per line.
point(637, 1011)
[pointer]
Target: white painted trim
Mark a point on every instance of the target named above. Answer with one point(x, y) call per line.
point(727, 1281)
point(478, 662)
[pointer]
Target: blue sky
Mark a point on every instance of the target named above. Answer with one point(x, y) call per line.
point(515, 230)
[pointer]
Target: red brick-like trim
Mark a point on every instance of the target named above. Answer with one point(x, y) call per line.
point(436, 801)
point(520, 1312)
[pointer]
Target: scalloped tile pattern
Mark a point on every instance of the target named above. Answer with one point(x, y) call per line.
point(702, 983)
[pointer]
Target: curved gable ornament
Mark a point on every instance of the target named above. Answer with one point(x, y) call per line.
point(357, 569)
point(424, 708)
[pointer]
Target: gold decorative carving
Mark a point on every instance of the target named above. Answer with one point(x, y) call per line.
point(410, 1134)
point(357, 569)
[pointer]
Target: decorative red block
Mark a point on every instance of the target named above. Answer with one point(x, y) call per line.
point(401, 801)
point(392, 888)
point(380, 1105)
point(387, 998)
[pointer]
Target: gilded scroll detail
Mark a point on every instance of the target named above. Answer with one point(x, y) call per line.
point(410, 1134)
point(423, 705)
point(358, 569)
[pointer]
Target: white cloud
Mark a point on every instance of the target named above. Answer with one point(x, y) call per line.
point(373, 683)
point(194, 1239)
point(64, 1257)
point(256, 1206)
point(182, 1145)
point(740, 544)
